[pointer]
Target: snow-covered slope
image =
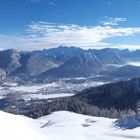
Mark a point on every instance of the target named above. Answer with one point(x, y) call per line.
point(15, 127)
point(62, 126)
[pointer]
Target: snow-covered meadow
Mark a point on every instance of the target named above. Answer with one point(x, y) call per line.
point(46, 90)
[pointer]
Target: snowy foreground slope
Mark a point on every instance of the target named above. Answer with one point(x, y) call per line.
point(62, 126)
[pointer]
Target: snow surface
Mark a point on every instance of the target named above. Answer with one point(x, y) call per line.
point(137, 63)
point(32, 88)
point(54, 85)
point(15, 127)
point(62, 125)
point(2, 97)
point(44, 91)
point(45, 96)
point(133, 63)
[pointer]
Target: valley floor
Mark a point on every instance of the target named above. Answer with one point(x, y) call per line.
point(62, 125)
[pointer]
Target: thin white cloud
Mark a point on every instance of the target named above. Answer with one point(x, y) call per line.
point(73, 35)
point(52, 3)
point(113, 21)
point(109, 3)
point(35, 1)
point(46, 35)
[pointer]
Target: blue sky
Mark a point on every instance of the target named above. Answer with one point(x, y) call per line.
point(39, 24)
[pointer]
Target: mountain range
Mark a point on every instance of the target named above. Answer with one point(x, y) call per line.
point(64, 62)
